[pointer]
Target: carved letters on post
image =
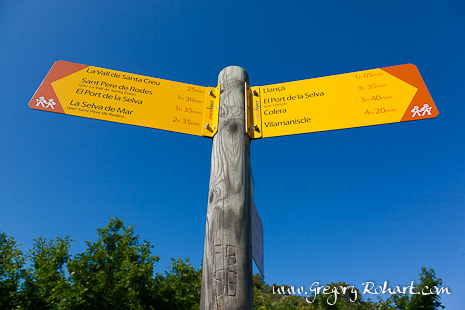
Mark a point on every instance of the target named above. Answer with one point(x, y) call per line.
point(225, 273)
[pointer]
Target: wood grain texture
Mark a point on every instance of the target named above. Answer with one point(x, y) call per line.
point(227, 264)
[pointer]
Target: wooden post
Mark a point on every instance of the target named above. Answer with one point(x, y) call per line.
point(227, 262)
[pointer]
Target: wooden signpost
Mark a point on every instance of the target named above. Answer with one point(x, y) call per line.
point(233, 114)
point(227, 262)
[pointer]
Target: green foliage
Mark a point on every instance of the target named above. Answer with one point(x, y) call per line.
point(45, 285)
point(424, 297)
point(179, 288)
point(277, 297)
point(117, 272)
point(265, 297)
point(11, 270)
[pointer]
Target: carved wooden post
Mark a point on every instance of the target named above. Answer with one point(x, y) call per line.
point(227, 263)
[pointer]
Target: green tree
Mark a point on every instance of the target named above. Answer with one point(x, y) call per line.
point(425, 296)
point(115, 272)
point(277, 298)
point(179, 287)
point(11, 269)
point(45, 285)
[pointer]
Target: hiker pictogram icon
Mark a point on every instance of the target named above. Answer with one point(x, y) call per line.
point(41, 102)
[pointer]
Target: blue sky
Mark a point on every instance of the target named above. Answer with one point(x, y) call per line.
point(365, 204)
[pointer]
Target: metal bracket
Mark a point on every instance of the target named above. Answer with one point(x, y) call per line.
point(255, 106)
point(211, 109)
point(252, 113)
point(248, 110)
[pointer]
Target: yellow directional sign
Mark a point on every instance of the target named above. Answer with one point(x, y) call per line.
point(372, 97)
point(115, 96)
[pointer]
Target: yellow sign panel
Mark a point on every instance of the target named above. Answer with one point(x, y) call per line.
point(115, 96)
point(364, 98)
